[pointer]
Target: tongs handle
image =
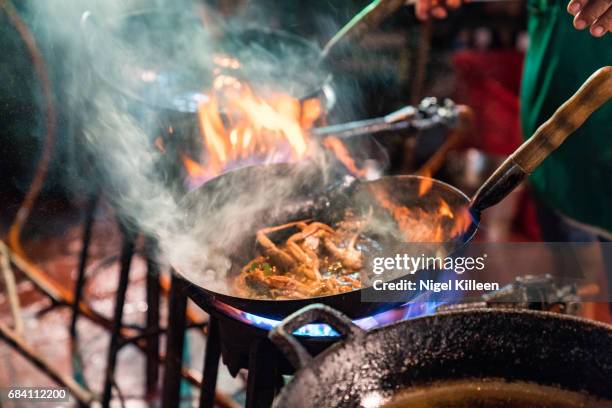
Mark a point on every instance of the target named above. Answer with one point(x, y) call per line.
point(596, 91)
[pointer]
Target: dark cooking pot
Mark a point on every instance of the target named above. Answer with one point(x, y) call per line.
point(168, 60)
point(298, 192)
point(368, 368)
point(160, 65)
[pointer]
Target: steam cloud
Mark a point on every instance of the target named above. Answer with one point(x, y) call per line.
point(191, 233)
point(119, 130)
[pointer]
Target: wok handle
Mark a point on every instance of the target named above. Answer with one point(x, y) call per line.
point(368, 18)
point(283, 338)
point(596, 91)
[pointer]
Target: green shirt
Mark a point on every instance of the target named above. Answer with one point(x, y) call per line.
point(577, 178)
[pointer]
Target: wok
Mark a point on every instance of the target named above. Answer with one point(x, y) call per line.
point(168, 59)
point(166, 63)
point(313, 196)
point(367, 368)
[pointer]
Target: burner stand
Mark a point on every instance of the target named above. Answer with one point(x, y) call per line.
point(241, 345)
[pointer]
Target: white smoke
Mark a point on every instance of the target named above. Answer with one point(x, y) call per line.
point(106, 72)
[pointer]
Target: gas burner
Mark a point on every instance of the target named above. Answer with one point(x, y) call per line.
point(401, 313)
point(241, 338)
point(542, 292)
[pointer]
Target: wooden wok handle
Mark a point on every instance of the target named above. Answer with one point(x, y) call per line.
point(596, 91)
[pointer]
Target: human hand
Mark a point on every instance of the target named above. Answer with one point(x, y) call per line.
point(594, 13)
point(424, 9)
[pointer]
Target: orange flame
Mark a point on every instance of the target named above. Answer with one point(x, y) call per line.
point(444, 209)
point(193, 168)
point(418, 224)
point(239, 127)
point(438, 234)
point(340, 151)
point(426, 183)
point(463, 220)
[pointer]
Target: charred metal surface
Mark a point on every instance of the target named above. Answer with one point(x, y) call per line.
point(498, 186)
point(264, 378)
point(540, 347)
point(241, 346)
point(236, 336)
point(295, 352)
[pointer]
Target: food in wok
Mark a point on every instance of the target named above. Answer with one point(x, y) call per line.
point(310, 258)
point(315, 260)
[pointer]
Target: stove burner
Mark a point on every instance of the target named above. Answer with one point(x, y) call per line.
point(241, 338)
point(406, 311)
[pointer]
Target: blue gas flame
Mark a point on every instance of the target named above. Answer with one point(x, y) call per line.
point(404, 312)
point(422, 305)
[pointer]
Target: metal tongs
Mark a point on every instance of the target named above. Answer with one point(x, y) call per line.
point(531, 292)
point(428, 114)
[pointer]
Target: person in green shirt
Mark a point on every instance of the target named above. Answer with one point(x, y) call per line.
point(575, 182)
point(573, 187)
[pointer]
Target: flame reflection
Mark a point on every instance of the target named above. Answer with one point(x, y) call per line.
point(431, 220)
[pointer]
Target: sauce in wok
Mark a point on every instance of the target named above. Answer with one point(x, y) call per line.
point(492, 394)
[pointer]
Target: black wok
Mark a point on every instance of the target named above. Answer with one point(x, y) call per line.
point(168, 59)
point(313, 196)
point(367, 368)
point(160, 66)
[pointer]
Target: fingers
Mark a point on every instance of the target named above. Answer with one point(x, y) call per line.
point(453, 4)
point(603, 24)
point(424, 9)
point(588, 12)
point(439, 12)
point(574, 6)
